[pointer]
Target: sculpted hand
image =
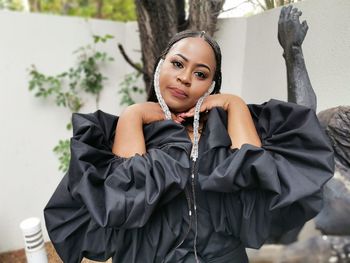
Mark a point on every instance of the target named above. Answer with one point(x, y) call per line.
point(291, 32)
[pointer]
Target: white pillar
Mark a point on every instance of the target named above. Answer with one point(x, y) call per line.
point(33, 239)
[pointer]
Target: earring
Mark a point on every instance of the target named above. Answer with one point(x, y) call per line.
point(161, 101)
point(194, 151)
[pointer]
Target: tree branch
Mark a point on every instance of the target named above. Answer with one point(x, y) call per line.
point(232, 8)
point(257, 3)
point(131, 63)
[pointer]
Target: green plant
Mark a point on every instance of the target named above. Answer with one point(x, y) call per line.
point(46, 86)
point(15, 5)
point(62, 149)
point(127, 87)
point(67, 87)
point(84, 77)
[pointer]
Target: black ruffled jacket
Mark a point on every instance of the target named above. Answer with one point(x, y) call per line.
point(137, 209)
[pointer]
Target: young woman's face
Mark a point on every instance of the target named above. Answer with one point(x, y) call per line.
point(187, 73)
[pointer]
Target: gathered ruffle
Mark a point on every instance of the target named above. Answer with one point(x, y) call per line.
point(280, 181)
point(133, 209)
point(102, 194)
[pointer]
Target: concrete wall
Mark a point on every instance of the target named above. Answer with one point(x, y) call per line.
point(253, 67)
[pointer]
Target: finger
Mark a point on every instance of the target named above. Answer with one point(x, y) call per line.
point(180, 119)
point(181, 114)
point(305, 26)
point(173, 116)
point(204, 107)
point(294, 11)
point(289, 8)
point(283, 12)
point(177, 118)
point(188, 113)
point(294, 14)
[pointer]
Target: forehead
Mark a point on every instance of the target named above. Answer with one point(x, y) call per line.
point(195, 49)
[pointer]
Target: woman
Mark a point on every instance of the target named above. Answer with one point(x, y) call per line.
point(194, 176)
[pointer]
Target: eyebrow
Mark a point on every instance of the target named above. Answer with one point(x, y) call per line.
point(198, 65)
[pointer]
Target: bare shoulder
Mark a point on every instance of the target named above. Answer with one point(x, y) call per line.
point(237, 102)
point(238, 99)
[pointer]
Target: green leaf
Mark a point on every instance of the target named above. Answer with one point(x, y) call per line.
point(69, 126)
point(67, 88)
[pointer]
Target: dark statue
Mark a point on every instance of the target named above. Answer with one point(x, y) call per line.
point(334, 217)
point(291, 34)
point(333, 221)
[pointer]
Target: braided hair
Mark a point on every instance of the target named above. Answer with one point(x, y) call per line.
point(185, 34)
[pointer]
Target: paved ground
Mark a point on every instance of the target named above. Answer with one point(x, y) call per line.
point(19, 256)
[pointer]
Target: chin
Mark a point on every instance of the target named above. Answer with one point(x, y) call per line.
point(176, 106)
point(177, 109)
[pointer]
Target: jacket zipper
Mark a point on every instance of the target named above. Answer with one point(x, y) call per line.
point(191, 214)
point(193, 180)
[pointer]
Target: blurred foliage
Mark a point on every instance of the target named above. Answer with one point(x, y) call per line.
point(118, 10)
point(15, 5)
point(84, 77)
point(68, 87)
point(270, 4)
point(128, 86)
point(62, 150)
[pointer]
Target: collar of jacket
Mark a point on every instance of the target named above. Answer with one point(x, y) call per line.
point(215, 132)
point(160, 133)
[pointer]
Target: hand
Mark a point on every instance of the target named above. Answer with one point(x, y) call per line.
point(215, 100)
point(291, 32)
point(240, 125)
point(149, 112)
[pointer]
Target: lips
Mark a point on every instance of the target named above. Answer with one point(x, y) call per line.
point(176, 92)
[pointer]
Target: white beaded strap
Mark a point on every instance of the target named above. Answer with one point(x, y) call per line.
point(165, 108)
point(161, 101)
point(194, 152)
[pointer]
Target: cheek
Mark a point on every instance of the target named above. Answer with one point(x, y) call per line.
point(166, 76)
point(162, 82)
point(200, 88)
point(196, 96)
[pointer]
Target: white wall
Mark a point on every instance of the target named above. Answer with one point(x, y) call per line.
point(232, 40)
point(253, 67)
point(326, 51)
point(31, 127)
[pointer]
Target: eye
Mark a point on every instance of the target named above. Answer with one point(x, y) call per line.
point(177, 64)
point(200, 75)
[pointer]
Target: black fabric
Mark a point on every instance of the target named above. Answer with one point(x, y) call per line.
point(135, 210)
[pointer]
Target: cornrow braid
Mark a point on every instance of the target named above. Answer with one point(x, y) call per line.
point(185, 34)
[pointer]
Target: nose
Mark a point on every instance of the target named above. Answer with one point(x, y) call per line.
point(185, 78)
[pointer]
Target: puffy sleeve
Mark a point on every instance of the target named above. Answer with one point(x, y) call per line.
point(102, 195)
point(278, 186)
